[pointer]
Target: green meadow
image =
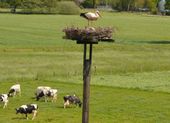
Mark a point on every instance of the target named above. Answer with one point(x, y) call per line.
point(130, 80)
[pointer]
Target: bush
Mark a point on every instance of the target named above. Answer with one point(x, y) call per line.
point(154, 10)
point(68, 8)
point(4, 5)
point(151, 4)
point(39, 6)
point(47, 7)
point(87, 4)
point(39, 10)
point(167, 6)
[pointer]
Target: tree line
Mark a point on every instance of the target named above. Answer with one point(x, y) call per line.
point(40, 6)
point(128, 5)
point(27, 4)
point(51, 5)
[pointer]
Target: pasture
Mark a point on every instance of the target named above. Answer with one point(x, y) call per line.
point(130, 77)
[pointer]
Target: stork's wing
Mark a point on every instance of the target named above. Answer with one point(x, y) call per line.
point(90, 15)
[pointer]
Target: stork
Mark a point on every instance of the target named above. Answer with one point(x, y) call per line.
point(90, 16)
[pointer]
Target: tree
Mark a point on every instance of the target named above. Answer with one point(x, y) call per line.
point(14, 4)
point(4, 4)
point(167, 6)
point(90, 3)
point(152, 5)
point(161, 6)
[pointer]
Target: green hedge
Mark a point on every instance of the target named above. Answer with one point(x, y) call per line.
point(68, 7)
point(63, 7)
point(4, 5)
point(39, 10)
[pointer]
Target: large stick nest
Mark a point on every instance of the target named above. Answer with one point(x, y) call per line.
point(89, 34)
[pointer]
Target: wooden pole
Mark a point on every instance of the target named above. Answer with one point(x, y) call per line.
point(94, 3)
point(86, 83)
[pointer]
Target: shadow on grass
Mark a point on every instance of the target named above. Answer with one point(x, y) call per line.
point(1, 12)
point(18, 118)
point(60, 107)
point(158, 42)
point(68, 107)
point(33, 98)
point(152, 42)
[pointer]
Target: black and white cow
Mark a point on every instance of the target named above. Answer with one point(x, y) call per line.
point(42, 91)
point(46, 92)
point(52, 93)
point(4, 99)
point(68, 99)
point(28, 109)
point(15, 89)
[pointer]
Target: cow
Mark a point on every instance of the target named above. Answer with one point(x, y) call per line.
point(15, 89)
point(42, 91)
point(68, 99)
point(28, 109)
point(52, 93)
point(4, 99)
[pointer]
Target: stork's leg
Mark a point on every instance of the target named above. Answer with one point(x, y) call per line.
point(88, 22)
point(93, 23)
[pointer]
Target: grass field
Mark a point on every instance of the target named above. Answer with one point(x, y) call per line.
point(130, 78)
point(107, 105)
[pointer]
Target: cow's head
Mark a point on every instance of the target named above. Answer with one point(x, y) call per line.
point(80, 103)
point(1, 99)
point(49, 93)
point(37, 98)
point(17, 110)
point(41, 94)
point(10, 93)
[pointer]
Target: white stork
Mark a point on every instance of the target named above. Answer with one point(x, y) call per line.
point(90, 16)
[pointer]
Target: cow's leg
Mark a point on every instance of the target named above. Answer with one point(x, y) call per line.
point(54, 98)
point(5, 104)
point(19, 92)
point(66, 103)
point(45, 98)
point(26, 116)
point(34, 114)
point(14, 93)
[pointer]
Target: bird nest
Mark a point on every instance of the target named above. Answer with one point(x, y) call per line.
point(89, 34)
